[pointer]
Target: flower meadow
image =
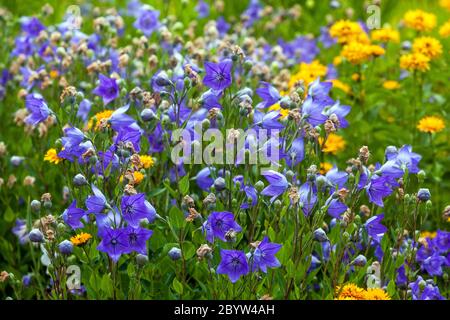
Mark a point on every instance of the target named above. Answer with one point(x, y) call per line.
point(225, 150)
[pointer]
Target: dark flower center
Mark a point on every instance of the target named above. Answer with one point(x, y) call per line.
point(129, 209)
point(220, 77)
point(235, 262)
point(219, 224)
point(113, 242)
point(132, 238)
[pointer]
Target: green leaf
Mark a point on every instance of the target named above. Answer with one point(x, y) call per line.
point(176, 217)
point(184, 185)
point(107, 285)
point(9, 215)
point(391, 288)
point(177, 286)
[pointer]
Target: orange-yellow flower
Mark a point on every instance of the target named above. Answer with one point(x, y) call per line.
point(346, 31)
point(357, 52)
point(415, 61)
point(341, 85)
point(308, 73)
point(391, 85)
point(99, 119)
point(325, 167)
point(147, 161)
point(333, 144)
point(385, 35)
point(444, 30)
point(419, 20)
point(52, 156)
point(276, 107)
point(428, 46)
point(350, 291)
point(431, 124)
point(376, 294)
point(445, 4)
point(80, 239)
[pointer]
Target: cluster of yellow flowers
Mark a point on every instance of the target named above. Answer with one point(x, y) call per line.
point(424, 48)
point(308, 72)
point(357, 45)
point(351, 291)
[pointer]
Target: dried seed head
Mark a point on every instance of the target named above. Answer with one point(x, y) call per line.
point(193, 214)
point(365, 211)
point(364, 154)
point(188, 201)
point(204, 251)
point(129, 190)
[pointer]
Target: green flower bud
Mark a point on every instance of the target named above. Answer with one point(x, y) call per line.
point(277, 204)
point(47, 205)
point(259, 186)
point(421, 175)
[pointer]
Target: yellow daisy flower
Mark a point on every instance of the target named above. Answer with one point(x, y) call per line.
point(444, 30)
point(385, 35)
point(419, 20)
point(333, 144)
point(99, 118)
point(52, 156)
point(431, 124)
point(428, 46)
point(391, 85)
point(147, 161)
point(415, 61)
point(80, 239)
point(350, 291)
point(376, 294)
point(325, 167)
point(346, 31)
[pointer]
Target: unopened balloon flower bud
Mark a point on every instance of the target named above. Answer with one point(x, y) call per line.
point(320, 235)
point(79, 180)
point(141, 260)
point(65, 247)
point(16, 160)
point(162, 79)
point(423, 195)
point(36, 235)
point(35, 205)
point(175, 253)
point(219, 184)
point(147, 114)
point(360, 261)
